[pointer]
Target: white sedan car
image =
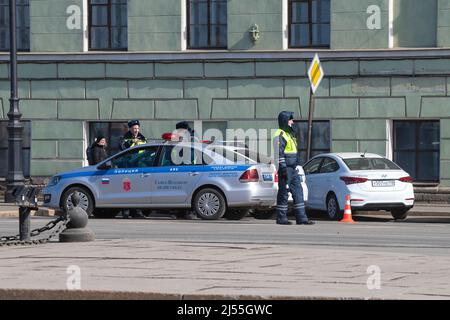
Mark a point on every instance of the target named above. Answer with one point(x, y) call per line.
point(372, 181)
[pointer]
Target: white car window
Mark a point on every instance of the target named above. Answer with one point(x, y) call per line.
point(313, 166)
point(329, 165)
point(370, 164)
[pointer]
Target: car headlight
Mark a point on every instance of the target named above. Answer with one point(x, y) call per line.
point(55, 180)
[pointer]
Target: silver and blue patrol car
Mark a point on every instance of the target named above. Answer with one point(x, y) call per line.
point(208, 178)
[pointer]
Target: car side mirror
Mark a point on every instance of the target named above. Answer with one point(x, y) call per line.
point(105, 166)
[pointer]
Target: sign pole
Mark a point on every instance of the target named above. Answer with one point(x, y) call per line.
point(315, 75)
point(310, 122)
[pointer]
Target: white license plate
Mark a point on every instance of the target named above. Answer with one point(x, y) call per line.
point(383, 183)
point(267, 177)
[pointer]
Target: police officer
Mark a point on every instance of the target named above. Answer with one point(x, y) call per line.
point(286, 158)
point(132, 138)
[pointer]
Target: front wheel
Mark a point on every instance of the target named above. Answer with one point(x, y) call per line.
point(236, 214)
point(86, 201)
point(210, 204)
point(333, 210)
point(399, 214)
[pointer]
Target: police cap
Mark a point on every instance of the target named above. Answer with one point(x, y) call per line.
point(132, 123)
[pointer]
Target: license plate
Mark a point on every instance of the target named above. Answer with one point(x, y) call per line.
point(383, 183)
point(267, 177)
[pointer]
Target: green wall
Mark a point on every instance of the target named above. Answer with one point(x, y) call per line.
point(415, 23)
point(242, 15)
point(154, 25)
point(349, 25)
point(359, 97)
point(443, 23)
point(48, 26)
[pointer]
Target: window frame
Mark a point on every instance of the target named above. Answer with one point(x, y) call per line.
point(109, 26)
point(20, 5)
point(310, 26)
point(188, 29)
point(416, 149)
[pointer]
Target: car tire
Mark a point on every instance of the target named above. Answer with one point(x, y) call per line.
point(333, 211)
point(86, 201)
point(399, 214)
point(101, 213)
point(210, 204)
point(236, 214)
point(264, 214)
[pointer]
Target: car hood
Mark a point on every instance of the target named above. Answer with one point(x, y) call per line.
point(79, 170)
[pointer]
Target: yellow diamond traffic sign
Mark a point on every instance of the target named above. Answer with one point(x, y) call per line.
point(315, 73)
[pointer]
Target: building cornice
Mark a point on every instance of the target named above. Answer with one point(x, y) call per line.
point(437, 53)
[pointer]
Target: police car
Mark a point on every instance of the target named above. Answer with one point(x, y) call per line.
point(208, 178)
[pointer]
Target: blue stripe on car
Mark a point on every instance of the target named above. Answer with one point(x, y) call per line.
point(173, 169)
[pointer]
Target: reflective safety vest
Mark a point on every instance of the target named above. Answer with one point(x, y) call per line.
point(291, 143)
point(133, 144)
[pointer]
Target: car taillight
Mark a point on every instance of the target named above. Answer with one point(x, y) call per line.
point(353, 180)
point(275, 179)
point(249, 176)
point(407, 179)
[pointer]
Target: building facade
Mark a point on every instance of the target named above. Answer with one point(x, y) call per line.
point(89, 66)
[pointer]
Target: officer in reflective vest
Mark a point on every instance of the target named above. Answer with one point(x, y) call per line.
point(286, 160)
point(133, 137)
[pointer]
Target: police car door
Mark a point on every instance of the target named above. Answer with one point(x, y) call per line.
point(128, 182)
point(176, 176)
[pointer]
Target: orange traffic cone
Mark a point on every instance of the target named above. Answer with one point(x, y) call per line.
point(347, 211)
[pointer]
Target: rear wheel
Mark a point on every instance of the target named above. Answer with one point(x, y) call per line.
point(86, 201)
point(236, 214)
point(210, 204)
point(399, 214)
point(333, 210)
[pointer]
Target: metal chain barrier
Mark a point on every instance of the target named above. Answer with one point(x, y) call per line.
point(59, 225)
point(27, 198)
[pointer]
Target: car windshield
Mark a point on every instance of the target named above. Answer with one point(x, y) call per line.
point(241, 156)
point(370, 164)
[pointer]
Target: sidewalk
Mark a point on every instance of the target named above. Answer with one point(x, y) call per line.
point(8, 210)
point(145, 269)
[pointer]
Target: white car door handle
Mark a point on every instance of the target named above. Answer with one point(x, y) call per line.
point(145, 175)
point(193, 174)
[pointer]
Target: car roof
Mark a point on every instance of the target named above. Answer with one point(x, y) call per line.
point(349, 155)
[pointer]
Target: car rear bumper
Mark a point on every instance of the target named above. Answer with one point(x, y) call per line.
point(382, 206)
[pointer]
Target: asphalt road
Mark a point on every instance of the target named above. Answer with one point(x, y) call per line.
point(429, 235)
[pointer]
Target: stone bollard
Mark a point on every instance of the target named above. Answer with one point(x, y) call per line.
point(76, 228)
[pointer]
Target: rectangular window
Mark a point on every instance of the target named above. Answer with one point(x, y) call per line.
point(26, 148)
point(207, 24)
point(309, 23)
point(417, 149)
point(108, 25)
point(22, 27)
point(321, 138)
